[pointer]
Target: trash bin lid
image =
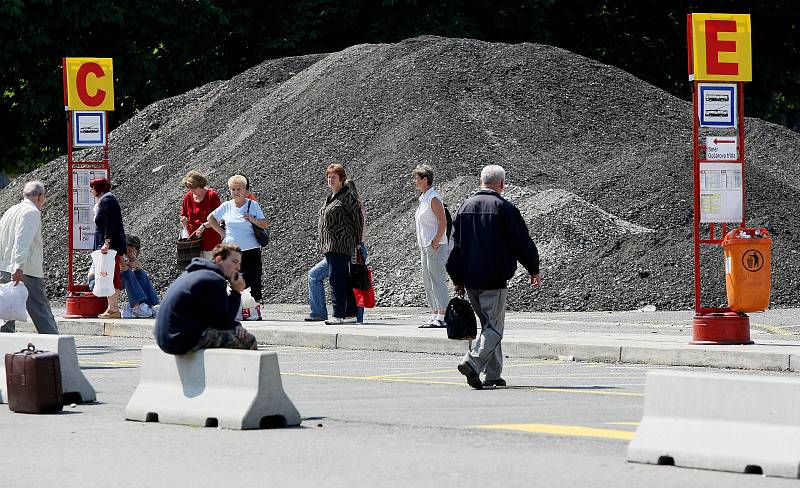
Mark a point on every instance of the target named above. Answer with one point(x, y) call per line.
point(747, 235)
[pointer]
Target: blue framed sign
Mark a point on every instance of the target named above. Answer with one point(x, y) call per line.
point(88, 129)
point(717, 107)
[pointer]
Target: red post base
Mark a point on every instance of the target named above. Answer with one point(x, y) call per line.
point(81, 304)
point(721, 328)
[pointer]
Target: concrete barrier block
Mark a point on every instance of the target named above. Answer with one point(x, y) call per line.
point(719, 421)
point(76, 387)
point(227, 388)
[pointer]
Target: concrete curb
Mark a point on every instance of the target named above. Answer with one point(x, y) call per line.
point(606, 349)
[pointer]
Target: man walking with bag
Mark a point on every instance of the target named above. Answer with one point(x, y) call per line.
point(22, 256)
point(489, 237)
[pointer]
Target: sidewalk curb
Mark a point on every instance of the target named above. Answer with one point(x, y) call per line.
point(740, 357)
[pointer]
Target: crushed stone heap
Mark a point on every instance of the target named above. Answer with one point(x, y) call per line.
point(598, 161)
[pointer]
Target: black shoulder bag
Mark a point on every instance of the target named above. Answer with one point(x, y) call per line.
point(262, 235)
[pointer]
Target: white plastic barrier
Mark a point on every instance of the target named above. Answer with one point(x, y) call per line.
point(720, 421)
point(76, 387)
point(228, 388)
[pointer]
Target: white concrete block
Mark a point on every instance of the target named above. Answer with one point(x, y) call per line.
point(228, 388)
point(76, 387)
point(720, 421)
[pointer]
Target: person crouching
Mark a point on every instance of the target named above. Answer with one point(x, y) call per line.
point(198, 313)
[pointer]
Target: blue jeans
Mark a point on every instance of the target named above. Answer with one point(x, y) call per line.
point(316, 288)
point(139, 288)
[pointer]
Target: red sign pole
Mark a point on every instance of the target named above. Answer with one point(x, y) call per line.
point(712, 325)
point(80, 302)
point(70, 203)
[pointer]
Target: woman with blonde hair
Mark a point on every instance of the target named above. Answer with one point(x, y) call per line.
point(240, 215)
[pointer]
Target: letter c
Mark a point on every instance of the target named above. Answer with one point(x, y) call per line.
point(80, 85)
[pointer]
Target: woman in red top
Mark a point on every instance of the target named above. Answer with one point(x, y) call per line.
point(197, 204)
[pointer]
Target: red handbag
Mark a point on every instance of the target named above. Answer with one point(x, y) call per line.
point(366, 298)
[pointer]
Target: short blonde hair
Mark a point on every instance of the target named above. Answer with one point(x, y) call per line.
point(194, 179)
point(237, 180)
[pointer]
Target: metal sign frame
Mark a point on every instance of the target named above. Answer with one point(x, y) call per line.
point(77, 165)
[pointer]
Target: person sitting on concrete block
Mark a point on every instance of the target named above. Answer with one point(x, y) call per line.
point(198, 313)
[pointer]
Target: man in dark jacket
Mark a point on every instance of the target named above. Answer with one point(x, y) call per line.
point(489, 237)
point(197, 312)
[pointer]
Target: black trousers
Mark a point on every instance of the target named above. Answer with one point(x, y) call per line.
point(251, 269)
point(342, 297)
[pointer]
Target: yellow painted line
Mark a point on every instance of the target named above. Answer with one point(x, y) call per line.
point(634, 424)
point(775, 330)
point(460, 383)
point(565, 430)
point(112, 363)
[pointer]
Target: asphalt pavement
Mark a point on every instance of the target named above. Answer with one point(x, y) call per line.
point(636, 337)
point(370, 418)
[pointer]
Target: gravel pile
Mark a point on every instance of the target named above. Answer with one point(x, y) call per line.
point(598, 161)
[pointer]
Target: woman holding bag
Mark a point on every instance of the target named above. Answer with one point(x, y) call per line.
point(109, 234)
point(198, 202)
point(340, 229)
point(240, 215)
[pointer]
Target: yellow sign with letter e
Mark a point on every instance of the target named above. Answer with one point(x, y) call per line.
point(720, 45)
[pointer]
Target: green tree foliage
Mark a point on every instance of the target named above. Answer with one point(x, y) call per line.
point(165, 47)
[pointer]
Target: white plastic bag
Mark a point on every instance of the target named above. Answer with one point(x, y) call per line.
point(184, 233)
point(12, 301)
point(249, 309)
point(103, 273)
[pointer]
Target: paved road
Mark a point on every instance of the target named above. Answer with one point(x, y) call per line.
point(370, 419)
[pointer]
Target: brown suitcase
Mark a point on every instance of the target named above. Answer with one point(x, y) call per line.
point(34, 381)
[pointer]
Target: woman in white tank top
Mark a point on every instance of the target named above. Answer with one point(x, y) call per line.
point(431, 224)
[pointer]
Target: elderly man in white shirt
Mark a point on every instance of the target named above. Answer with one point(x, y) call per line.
point(22, 256)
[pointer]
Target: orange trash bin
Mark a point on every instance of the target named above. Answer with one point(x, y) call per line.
point(747, 269)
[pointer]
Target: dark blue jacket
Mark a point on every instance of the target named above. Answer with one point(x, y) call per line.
point(108, 224)
point(197, 300)
point(489, 237)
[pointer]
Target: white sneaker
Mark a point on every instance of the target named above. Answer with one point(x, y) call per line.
point(126, 311)
point(334, 321)
point(350, 320)
point(142, 311)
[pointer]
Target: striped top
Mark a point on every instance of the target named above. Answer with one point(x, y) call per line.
point(340, 223)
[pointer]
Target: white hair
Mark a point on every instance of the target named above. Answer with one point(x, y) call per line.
point(33, 189)
point(492, 174)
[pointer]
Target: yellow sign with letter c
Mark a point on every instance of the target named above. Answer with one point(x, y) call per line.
point(90, 83)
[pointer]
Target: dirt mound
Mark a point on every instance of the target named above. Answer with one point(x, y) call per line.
point(599, 162)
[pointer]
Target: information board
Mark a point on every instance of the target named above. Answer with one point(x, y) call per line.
point(721, 192)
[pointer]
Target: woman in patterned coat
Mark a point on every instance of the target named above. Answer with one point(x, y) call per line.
point(340, 229)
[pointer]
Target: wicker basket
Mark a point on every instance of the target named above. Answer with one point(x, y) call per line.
point(188, 249)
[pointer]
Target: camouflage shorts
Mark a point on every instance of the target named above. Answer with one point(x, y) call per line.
point(225, 339)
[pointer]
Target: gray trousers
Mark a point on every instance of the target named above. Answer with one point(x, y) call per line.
point(434, 276)
point(38, 306)
point(487, 354)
